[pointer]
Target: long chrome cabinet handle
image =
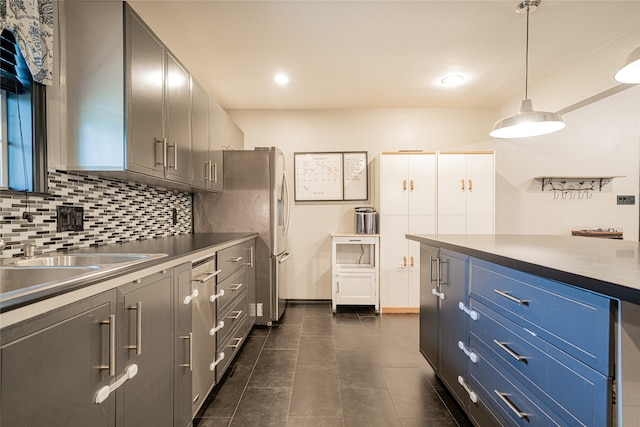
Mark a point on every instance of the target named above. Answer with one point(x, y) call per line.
point(190, 364)
point(250, 249)
point(220, 358)
point(162, 141)
point(111, 366)
point(103, 393)
point(207, 171)
point(438, 294)
point(470, 354)
point(505, 399)
point(138, 346)
point(511, 297)
point(208, 277)
point(510, 352)
point(472, 394)
point(175, 156)
point(472, 313)
point(431, 261)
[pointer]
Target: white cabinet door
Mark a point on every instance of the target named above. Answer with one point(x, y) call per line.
point(394, 288)
point(418, 224)
point(394, 191)
point(466, 184)
point(422, 188)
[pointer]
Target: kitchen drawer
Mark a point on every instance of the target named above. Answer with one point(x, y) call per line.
point(519, 406)
point(578, 393)
point(231, 347)
point(231, 317)
point(231, 260)
point(232, 286)
point(576, 321)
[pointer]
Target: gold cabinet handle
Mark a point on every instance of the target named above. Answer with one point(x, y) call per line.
point(404, 261)
point(404, 185)
point(462, 181)
point(412, 186)
point(470, 185)
point(412, 261)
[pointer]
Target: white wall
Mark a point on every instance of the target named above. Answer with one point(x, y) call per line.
point(601, 138)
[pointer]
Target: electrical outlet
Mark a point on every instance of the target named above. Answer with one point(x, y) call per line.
point(69, 218)
point(626, 200)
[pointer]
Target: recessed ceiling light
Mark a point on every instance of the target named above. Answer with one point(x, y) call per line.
point(281, 78)
point(452, 80)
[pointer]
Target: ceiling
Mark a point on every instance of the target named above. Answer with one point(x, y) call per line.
point(380, 54)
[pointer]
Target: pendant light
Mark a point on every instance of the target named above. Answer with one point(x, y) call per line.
point(630, 73)
point(527, 122)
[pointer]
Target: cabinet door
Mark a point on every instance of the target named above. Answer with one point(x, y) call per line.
point(422, 184)
point(394, 184)
point(480, 193)
point(453, 285)
point(52, 367)
point(250, 250)
point(145, 96)
point(217, 118)
point(429, 306)
point(200, 160)
point(177, 125)
point(147, 323)
point(183, 342)
point(394, 261)
point(418, 224)
point(356, 288)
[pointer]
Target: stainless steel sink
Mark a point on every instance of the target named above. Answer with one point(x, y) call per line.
point(76, 260)
point(14, 278)
point(22, 277)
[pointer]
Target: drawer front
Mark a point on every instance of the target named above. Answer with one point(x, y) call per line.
point(231, 317)
point(507, 398)
point(232, 286)
point(231, 260)
point(576, 321)
point(578, 393)
point(231, 347)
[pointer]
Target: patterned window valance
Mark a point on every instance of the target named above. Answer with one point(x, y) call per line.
point(31, 22)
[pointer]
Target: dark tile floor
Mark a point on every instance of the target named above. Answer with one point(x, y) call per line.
point(316, 369)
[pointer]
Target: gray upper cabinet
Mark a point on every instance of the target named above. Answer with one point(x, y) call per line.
point(207, 127)
point(129, 100)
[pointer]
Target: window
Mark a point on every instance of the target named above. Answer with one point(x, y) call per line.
point(23, 123)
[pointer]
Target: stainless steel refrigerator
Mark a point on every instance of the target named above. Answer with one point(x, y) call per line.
point(256, 198)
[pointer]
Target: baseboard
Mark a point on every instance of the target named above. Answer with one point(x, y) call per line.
point(400, 310)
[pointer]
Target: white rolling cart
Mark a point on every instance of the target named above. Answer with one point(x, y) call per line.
point(355, 260)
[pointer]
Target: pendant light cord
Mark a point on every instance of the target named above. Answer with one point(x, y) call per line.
point(526, 60)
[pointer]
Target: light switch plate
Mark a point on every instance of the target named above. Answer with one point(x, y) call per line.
point(626, 200)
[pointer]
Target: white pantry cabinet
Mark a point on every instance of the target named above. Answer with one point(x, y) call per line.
point(466, 192)
point(407, 204)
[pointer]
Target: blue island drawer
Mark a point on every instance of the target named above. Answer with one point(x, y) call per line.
point(576, 321)
point(579, 394)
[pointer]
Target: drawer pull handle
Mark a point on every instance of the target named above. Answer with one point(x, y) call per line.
point(235, 315)
point(213, 331)
point(470, 354)
point(472, 394)
point(191, 297)
point(217, 361)
point(237, 344)
point(214, 297)
point(236, 286)
point(438, 294)
point(511, 297)
point(190, 364)
point(138, 345)
point(431, 261)
point(518, 413)
point(236, 259)
point(472, 313)
point(510, 352)
point(208, 277)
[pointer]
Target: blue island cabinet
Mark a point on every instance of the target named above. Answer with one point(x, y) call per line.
point(538, 351)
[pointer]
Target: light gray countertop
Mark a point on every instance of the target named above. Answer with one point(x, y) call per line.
point(608, 266)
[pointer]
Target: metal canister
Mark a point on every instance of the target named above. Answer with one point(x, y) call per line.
point(366, 218)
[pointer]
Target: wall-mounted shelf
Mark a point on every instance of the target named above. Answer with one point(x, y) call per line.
point(574, 186)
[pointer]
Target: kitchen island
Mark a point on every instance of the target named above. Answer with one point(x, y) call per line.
point(541, 317)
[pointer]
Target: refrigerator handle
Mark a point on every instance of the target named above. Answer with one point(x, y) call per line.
point(286, 185)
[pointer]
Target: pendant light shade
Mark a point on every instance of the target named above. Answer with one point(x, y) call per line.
point(527, 122)
point(630, 72)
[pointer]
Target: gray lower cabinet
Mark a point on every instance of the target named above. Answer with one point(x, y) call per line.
point(69, 367)
point(429, 304)
point(183, 346)
point(53, 366)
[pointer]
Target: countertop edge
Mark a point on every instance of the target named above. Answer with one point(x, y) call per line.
point(604, 287)
point(30, 306)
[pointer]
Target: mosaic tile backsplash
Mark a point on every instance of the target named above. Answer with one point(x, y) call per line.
point(114, 212)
